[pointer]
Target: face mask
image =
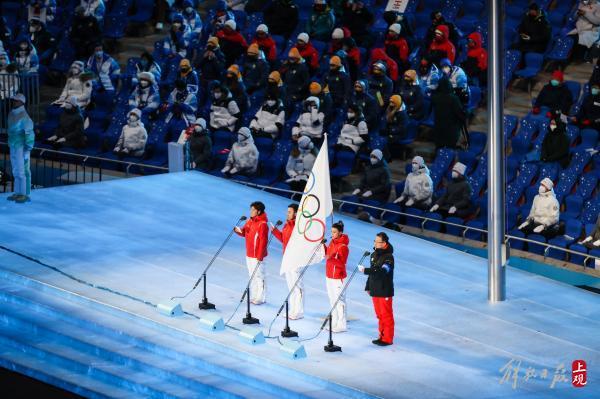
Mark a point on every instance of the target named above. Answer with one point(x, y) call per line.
point(271, 103)
point(177, 25)
point(595, 92)
point(455, 175)
point(374, 160)
point(189, 10)
point(68, 106)
point(415, 167)
point(32, 29)
point(217, 95)
point(99, 54)
point(542, 190)
point(552, 127)
point(351, 115)
point(198, 129)
point(446, 70)
point(185, 69)
point(554, 82)
point(144, 63)
point(22, 53)
point(377, 72)
point(132, 119)
point(241, 139)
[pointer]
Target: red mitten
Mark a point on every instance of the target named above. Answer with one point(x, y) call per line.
point(586, 122)
point(535, 110)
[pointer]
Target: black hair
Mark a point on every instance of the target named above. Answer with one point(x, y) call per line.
point(384, 237)
point(259, 206)
point(339, 226)
point(294, 207)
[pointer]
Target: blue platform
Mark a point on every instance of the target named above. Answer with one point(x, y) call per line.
point(149, 237)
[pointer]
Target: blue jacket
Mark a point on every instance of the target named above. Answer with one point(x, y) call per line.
point(20, 129)
point(106, 70)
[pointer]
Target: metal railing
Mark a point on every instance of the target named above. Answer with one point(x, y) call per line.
point(50, 168)
point(28, 85)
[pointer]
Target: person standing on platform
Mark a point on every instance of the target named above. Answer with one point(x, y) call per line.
point(380, 285)
point(296, 300)
point(256, 233)
point(20, 141)
point(336, 255)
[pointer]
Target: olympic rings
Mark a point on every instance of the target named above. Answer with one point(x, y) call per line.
point(312, 185)
point(304, 203)
point(322, 235)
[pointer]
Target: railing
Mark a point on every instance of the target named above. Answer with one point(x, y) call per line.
point(29, 85)
point(50, 168)
point(587, 257)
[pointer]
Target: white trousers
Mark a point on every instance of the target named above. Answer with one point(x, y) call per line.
point(338, 316)
point(258, 286)
point(296, 300)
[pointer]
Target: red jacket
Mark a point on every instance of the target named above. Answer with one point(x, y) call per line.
point(267, 46)
point(445, 44)
point(478, 52)
point(235, 37)
point(284, 236)
point(310, 55)
point(354, 55)
point(379, 54)
point(397, 48)
point(337, 256)
point(256, 232)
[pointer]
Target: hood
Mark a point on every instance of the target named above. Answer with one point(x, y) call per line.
point(379, 54)
point(260, 218)
point(315, 100)
point(444, 30)
point(245, 132)
point(342, 239)
point(476, 37)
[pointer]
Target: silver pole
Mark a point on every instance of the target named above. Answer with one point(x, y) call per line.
point(496, 216)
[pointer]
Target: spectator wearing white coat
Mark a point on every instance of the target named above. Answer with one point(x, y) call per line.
point(191, 17)
point(105, 67)
point(300, 163)
point(418, 187)
point(94, 8)
point(354, 133)
point(132, 141)
point(145, 96)
point(243, 157)
point(181, 104)
point(545, 212)
point(26, 58)
point(310, 122)
point(224, 111)
point(78, 85)
point(586, 28)
point(269, 119)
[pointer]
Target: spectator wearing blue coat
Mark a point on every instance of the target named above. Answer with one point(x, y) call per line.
point(94, 8)
point(26, 58)
point(338, 82)
point(145, 96)
point(211, 62)
point(181, 105)
point(429, 77)
point(21, 139)
point(255, 71)
point(191, 17)
point(105, 67)
point(147, 64)
point(380, 86)
point(367, 102)
point(458, 79)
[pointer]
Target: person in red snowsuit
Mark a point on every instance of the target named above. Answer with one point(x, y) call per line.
point(336, 254)
point(442, 47)
point(397, 47)
point(266, 43)
point(308, 52)
point(475, 66)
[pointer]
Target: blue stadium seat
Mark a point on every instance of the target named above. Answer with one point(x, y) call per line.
point(144, 10)
point(561, 49)
point(533, 66)
point(345, 162)
point(392, 217)
point(573, 230)
point(589, 139)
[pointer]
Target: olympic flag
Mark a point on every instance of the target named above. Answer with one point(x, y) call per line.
point(311, 220)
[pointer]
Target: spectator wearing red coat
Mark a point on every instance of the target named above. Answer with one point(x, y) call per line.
point(266, 43)
point(379, 54)
point(232, 42)
point(396, 46)
point(337, 40)
point(308, 52)
point(476, 63)
point(442, 47)
point(352, 57)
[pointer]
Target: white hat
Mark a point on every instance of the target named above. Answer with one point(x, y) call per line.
point(419, 161)
point(303, 37)
point(338, 33)
point(313, 99)
point(396, 28)
point(18, 97)
point(146, 76)
point(546, 182)
point(305, 142)
point(136, 112)
point(262, 28)
point(244, 132)
point(459, 168)
point(78, 64)
point(377, 154)
point(200, 122)
point(230, 23)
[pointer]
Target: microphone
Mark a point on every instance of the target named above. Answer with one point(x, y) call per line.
point(366, 253)
point(324, 240)
point(279, 223)
point(242, 218)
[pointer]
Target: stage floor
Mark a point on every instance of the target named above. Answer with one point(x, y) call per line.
point(149, 237)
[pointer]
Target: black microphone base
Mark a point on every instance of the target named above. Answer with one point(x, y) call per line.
point(288, 333)
point(205, 305)
point(250, 320)
point(330, 347)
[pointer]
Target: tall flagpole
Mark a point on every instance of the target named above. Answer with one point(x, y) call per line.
point(496, 172)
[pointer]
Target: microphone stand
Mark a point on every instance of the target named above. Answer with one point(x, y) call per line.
point(330, 347)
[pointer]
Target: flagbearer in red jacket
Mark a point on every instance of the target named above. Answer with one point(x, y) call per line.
point(296, 300)
point(336, 254)
point(256, 232)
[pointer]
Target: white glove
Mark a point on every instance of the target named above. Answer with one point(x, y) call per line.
point(225, 169)
point(410, 202)
point(539, 228)
point(237, 230)
point(591, 151)
point(399, 199)
point(125, 150)
point(52, 138)
point(523, 225)
point(596, 243)
point(233, 171)
point(587, 239)
point(452, 210)
point(291, 179)
point(61, 140)
point(356, 191)
point(434, 208)
point(367, 194)
point(292, 173)
point(361, 268)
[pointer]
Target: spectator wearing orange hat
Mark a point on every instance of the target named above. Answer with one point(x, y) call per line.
point(395, 126)
point(441, 47)
point(308, 52)
point(412, 95)
point(188, 75)
point(295, 76)
point(235, 85)
point(396, 46)
point(325, 102)
point(231, 41)
point(338, 82)
point(555, 95)
point(276, 87)
point(211, 63)
point(266, 43)
point(256, 69)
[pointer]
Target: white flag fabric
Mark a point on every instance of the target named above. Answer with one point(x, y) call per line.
point(311, 221)
point(397, 5)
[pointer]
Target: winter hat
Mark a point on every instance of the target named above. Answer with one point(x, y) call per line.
point(146, 76)
point(275, 76)
point(534, 6)
point(231, 23)
point(445, 62)
point(253, 49)
point(419, 161)
point(185, 63)
point(294, 53)
point(381, 66)
point(361, 83)
point(177, 17)
point(213, 40)
point(18, 97)
point(335, 61)
point(338, 33)
point(546, 182)
point(314, 88)
point(558, 75)
point(245, 133)
point(459, 168)
point(200, 122)
point(411, 74)
point(303, 37)
point(78, 64)
point(377, 154)
point(305, 143)
point(313, 99)
point(135, 112)
point(396, 100)
point(262, 28)
point(235, 70)
point(396, 28)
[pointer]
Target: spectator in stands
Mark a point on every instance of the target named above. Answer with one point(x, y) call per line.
point(266, 43)
point(269, 119)
point(456, 201)
point(69, 132)
point(200, 146)
point(256, 69)
point(308, 52)
point(380, 86)
point(181, 104)
point(396, 46)
point(555, 147)
point(222, 15)
point(593, 240)
point(275, 87)
point(132, 141)
point(412, 95)
point(147, 64)
point(310, 122)
point(212, 62)
point(325, 101)
point(418, 187)
point(9, 83)
point(224, 111)
point(104, 67)
point(379, 55)
point(429, 77)
point(338, 82)
point(94, 8)
point(441, 47)
point(42, 41)
point(337, 40)
point(453, 34)
point(393, 17)
point(358, 19)
point(534, 31)
point(235, 85)
point(145, 95)
point(555, 95)
point(85, 32)
point(175, 45)
point(21, 140)
point(191, 17)
point(79, 85)
point(367, 103)
point(237, 4)
point(544, 214)
point(231, 41)
point(353, 59)
point(188, 75)
point(375, 183)
point(5, 31)
point(589, 114)
point(585, 33)
point(300, 163)
point(254, 6)
point(457, 78)
point(295, 76)
point(44, 10)
point(243, 157)
point(26, 58)
point(321, 21)
point(396, 125)
point(475, 66)
point(355, 132)
point(449, 115)
point(282, 17)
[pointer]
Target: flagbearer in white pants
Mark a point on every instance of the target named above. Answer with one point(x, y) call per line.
point(256, 233)
point(335, 271)
point(296, 300)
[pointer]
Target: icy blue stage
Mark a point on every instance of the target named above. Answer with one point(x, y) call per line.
point(150, 238)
